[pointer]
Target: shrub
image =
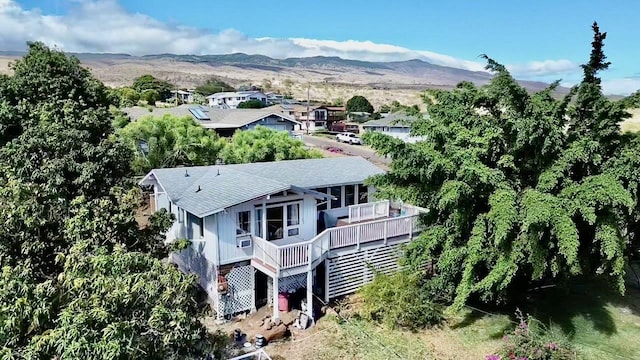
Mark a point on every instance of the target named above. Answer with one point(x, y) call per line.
point(402, 299)
point(531, 340)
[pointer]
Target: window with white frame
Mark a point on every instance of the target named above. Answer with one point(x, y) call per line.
point(180, 215)
point(293, 219)
point(243, 223)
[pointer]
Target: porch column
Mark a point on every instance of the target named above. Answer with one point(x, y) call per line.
point(310, 294)
point(276, 309)
point(264, 220)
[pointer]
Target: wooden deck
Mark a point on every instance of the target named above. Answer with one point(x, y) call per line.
point(373, 226)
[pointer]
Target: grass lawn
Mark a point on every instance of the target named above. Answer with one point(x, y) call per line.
point(600, 324)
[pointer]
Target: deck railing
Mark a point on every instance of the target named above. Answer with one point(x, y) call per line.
point(307, 252)
point(369, 211)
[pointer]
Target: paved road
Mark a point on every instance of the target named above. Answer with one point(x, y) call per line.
point(347, 149)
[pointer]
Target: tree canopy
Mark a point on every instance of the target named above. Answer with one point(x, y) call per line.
point(359, 103)
point(79, 277)
point(522, 189)
point(251, 104)
point(264, 144)
point(169, 141)
point(213, 86)
point(149, 82)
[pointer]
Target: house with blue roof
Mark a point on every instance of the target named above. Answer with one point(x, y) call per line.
point(281, 233)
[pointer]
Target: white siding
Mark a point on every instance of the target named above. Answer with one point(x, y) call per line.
point(228, 247)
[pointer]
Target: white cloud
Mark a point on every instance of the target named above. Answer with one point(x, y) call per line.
point(104, 26)
point(544, 68)
point(622, 86)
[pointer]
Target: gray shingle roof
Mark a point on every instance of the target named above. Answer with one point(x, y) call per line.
point(219, 118)
point(222, 186)
point(397, 119)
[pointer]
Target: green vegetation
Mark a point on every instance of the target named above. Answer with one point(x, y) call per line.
point(79, 278)
point(401, 300)
point(169, 141)
point(523, 190)
point(150, 96)
point(264, 144)
point(212, 86)
point(148, 82)
point(359, 104)
point(397, 107)
point(631, 101)
point(251, 104)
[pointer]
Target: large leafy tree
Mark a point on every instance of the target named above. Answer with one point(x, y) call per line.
point(149, 82)
point(264, 144)
point(359, 103)
point(521, 188)
point(104, 305)
point(212, 86)
point(169, 141)
point(69, 288)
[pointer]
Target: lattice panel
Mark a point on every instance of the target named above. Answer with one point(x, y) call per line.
point(269, 291)
point(293, 282)
point(240, 293)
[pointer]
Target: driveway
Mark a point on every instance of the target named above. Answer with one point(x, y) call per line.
point(323, 143)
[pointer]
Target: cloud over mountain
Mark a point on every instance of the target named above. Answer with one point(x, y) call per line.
point(105, 26)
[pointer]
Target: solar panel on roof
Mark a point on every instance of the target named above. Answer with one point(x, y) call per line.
point(199, 114)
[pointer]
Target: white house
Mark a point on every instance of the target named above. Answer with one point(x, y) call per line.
point(397, 125)
point(301, 227)
point(230, 100)
point(185, 96)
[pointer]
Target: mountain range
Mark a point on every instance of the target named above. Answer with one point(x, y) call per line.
point(322, 75)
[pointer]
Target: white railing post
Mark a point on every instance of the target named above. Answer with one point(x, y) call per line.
point(384, 234)
point(358, 237)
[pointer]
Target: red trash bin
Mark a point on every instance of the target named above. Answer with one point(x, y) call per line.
point(283, 302)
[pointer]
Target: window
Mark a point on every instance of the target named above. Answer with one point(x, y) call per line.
point(293, 214)
point(258, 229)
point(243, 223)
point(349, 195)
point(336, 192)
point(319, 124)
point(180, 215)
point(293, 219)
point(363, 194)
point(322, 203)
point(201, 227)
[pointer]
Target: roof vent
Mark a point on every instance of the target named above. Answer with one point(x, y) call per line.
point(199, 189)
point(218, 172)
point(186, 173)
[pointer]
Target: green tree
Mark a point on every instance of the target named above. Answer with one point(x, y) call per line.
point(251, 104)
point(104, 305)
point(123, 97)
point(521, 189)
point(148, 82)
point(212, 86)
point(150, 96)
point(359, 104)
point(170, 141)
point(69, 289)
point(264, 144)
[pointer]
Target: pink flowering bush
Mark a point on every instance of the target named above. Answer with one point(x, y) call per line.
point(531, 340)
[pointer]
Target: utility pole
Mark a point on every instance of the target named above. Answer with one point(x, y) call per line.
point(308, 108)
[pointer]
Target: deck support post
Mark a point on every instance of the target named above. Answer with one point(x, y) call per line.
point(276, 308)
point(310, 294)
point(326, 280)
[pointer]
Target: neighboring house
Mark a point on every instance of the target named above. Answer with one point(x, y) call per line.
point(312, 118)
point(185, 96)
point(223, 121)
point(397, 125)
point(274, 98)
point(230, 100)
point(261, 231)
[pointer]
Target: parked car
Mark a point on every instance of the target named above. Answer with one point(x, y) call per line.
point(350, 138)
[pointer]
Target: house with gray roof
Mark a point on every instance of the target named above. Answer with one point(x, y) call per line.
point(223, 121)
point(396, 125)
point(281, 233)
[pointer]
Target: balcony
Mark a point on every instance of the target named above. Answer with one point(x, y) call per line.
point(367, 223)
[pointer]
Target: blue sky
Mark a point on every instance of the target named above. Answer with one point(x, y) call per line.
point(540, 39)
